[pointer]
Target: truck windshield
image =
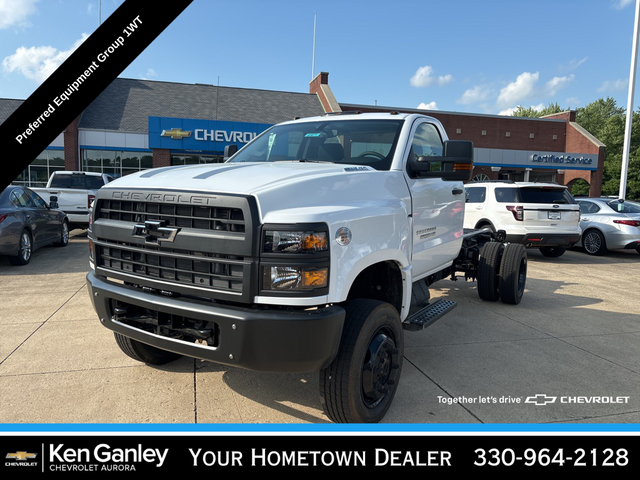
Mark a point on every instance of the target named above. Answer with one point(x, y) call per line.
point(354, 142)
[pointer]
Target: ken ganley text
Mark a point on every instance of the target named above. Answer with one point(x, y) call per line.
point(75, 85)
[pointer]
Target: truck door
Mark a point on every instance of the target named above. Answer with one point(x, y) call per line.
point(437, 208)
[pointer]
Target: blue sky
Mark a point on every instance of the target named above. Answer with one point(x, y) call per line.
point(457, 55)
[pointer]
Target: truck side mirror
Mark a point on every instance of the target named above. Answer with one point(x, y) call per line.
point(455, 164)
point(229, 151)
point(53, 201)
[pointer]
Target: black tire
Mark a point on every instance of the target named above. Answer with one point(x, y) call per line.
point(594, 243)
point(552, 251)
point(64, 235)
point(144, 353)
point(489, 270)
point(513, 273)
point(360, 383)
point(25, 249)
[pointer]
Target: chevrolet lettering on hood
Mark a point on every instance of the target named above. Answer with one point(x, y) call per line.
point(163, 197)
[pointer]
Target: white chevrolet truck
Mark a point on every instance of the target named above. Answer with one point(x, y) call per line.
point(312, 249)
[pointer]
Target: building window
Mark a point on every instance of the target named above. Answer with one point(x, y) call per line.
point(195, 159)
point(531, 135)
point(507, 134)
point(458, 131)
point(116, 163)
point(38, 172)
point(555, 137)
point(484, 132)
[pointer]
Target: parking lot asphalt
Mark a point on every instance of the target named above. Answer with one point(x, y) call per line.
point(569, 353)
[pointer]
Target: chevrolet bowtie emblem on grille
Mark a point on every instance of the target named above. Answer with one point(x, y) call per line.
point(175, 133)
point(154, 231)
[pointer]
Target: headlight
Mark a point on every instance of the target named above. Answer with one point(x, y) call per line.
point(294, 278)
point(283, 241)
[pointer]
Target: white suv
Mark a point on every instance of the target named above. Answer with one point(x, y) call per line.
point(540, 215)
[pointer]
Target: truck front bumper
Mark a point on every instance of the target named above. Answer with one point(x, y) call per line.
point(276, 340)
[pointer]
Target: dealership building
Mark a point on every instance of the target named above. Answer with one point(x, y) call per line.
point(138, 124)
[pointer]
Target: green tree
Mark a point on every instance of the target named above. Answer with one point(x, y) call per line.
point(533, 113)
point(606, 121)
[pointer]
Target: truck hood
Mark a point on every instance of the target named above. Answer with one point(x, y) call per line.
point(232, 178)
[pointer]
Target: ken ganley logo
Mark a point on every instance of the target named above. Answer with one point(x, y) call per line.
point(103, 458)
point(20, 459)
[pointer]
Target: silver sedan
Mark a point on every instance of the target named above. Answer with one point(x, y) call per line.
point(608, 224)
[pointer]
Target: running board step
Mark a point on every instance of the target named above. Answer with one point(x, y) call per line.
point(428, 315)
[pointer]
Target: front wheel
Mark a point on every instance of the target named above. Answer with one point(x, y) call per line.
point(144, 353)
point(360, 383)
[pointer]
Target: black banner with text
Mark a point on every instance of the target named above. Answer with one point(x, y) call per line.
point(80, 79)
point(201, 454)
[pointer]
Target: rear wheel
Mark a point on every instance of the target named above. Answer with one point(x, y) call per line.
point(594, 243)
point(489, 270)
point(144, 353)
point(552, 251)
point(24, 249)
point(64, 235)
point(360, 383)
point(513, 273)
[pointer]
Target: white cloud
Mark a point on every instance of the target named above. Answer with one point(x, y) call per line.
point(618, 85)
point(15, 13)
point(151, 73)
point(428, 106)
point(572, 102)
point(507, 111)
point(424, 77)
point(511, 110)
point(573, 64)
point(620, 4)
point(444, 79)
point(476, 94)
point(557, 83)
point(521, 89)
point(37, 63)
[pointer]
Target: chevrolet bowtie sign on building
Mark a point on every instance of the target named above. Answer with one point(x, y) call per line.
point(184, 134)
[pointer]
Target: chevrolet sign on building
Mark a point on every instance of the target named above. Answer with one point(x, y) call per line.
point(184, 134)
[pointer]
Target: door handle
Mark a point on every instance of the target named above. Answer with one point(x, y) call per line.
point(457, 191)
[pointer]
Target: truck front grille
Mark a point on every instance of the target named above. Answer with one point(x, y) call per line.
point(217, 218)
point(210, 252)
point(205, 270)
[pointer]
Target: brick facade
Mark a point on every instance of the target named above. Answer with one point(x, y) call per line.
point(161, 157)
point(71, 150)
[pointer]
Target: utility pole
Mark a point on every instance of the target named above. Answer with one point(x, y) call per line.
point(627, 131)
point(313, 55)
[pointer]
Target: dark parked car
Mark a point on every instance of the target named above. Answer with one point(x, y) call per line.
point(28, 223)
